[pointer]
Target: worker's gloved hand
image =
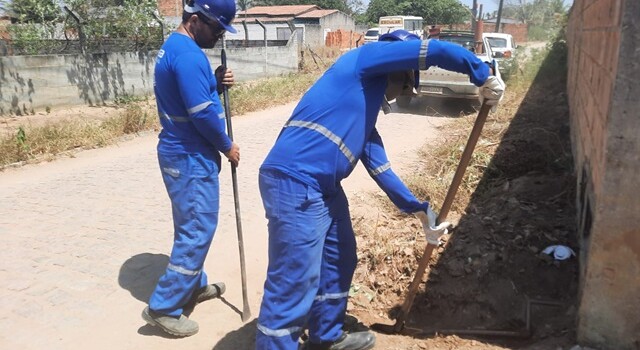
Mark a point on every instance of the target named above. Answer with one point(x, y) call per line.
point(493, 88)
point(432, 231)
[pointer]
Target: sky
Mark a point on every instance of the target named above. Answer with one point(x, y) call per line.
point(488, 6)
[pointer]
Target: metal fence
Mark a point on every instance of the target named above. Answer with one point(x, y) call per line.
point(63, 46)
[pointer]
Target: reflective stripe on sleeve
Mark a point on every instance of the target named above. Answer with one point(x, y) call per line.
point(175, 118)
point(330, 296)
point(424, 51)
point(182, 270)
point(198, 108)
point(278, 332)
point(328, 134)
point(379, 170)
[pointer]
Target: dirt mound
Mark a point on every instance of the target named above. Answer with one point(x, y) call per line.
point(491, 266)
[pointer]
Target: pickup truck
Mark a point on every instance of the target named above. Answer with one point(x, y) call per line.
point(439, 82)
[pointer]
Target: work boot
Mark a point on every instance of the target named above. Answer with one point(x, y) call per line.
point(207, 292)
point(347, 341)
point(178, 326)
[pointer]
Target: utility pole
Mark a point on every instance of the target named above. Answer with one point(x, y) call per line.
point(474, 13)
point(497, 30)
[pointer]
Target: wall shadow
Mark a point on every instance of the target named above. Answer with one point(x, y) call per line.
point(140, 273)
point(525, 201)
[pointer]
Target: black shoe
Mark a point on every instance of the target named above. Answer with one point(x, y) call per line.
point(347, 341)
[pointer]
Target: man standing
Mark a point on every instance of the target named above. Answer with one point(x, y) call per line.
point(312, 248)
point(192, 138)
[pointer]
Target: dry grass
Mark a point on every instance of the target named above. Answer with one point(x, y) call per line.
point(441, 162)
point(32, 143)
point(387, 245)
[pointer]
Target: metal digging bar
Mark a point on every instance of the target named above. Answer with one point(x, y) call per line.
point(525, 333)
point(444, 211)
point(246, 313)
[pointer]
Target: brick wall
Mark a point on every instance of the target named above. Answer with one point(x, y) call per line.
point(344, 39)
point(171, 8)
point(603, 88)
point(519, 31)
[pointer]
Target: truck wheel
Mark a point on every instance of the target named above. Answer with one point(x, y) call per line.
point(403, 101)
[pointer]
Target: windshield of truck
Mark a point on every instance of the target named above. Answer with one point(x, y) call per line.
point(497, 42)
point(464, 41)
point(413, 24)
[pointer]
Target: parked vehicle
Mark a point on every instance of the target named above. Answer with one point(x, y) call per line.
point(371, 35)
point(439, 82)
point(504, 52)
point(412, 24)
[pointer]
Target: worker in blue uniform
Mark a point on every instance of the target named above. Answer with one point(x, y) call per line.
point(193, 136)
point(312, 248)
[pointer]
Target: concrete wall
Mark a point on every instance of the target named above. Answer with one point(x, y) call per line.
point(256, 32)
point(603, 89)
point(315, 35)
point(310, 33)
point(32, 83)
point(338, 21)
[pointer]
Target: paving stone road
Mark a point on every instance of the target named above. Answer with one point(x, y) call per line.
point(85, 239)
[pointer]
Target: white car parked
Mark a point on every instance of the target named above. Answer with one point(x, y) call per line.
point(371, 35)
point(504, 51)
point(442, 83)
point(502, 44)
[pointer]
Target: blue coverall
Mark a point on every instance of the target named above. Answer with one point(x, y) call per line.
point(312, 249)
point(192, 137)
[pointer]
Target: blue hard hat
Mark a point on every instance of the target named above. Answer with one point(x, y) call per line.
point(223, 11)
point(398, 35)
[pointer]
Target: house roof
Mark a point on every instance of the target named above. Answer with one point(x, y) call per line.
point(317, 13)
point(271, 14)
point(252, 19)
point(270, 11)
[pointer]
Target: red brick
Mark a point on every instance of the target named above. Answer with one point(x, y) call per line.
point(170, 7)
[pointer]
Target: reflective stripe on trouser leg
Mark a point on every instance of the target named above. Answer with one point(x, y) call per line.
point(192, 184)
point(298, 222)
point(338, 265)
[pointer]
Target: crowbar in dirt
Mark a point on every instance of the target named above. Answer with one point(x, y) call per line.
point(246, 313)
point(444, 211)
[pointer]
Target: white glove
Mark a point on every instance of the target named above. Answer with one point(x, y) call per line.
point(492, 90)
point(431, 231)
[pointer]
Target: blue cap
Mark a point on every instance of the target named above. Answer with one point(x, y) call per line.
point(223, 11)
point(398, 35)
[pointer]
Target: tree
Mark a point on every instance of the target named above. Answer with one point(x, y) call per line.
point(244, 5)
point(433, 11)
point(34, 11)
point(123, 20)
point(541, 16)
point(536, 12)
